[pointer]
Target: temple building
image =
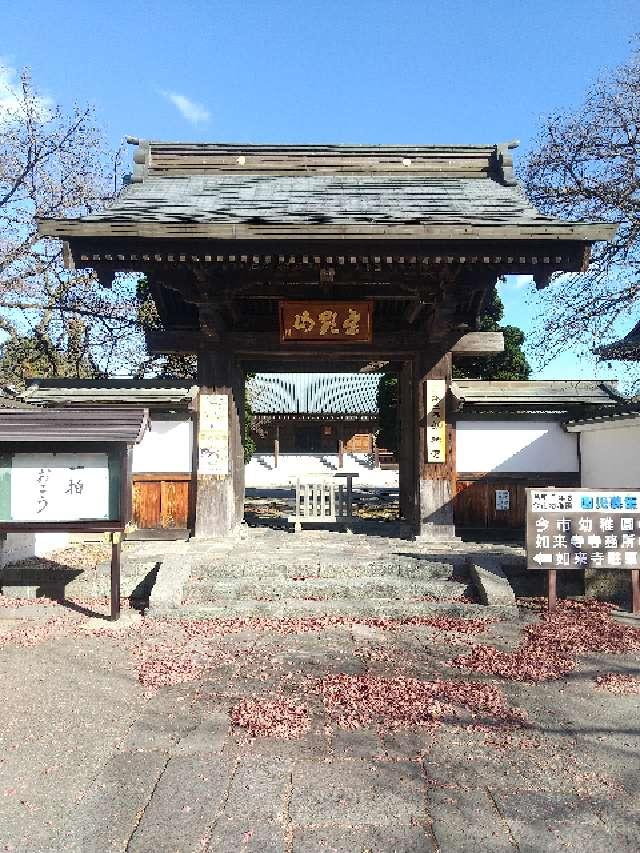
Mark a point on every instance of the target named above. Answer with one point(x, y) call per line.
point(283, 258)
point(315, 413)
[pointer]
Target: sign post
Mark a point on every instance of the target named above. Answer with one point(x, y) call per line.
point(116, 549)
point(577, 529)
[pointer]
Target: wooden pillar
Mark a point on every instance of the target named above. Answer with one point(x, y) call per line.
point(276, 446)
point(220, 496)
point(408, 475)
point(435, 479)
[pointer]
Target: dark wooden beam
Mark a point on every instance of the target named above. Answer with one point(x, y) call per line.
point(479, 343)
point(266, 345)
point(288, 259)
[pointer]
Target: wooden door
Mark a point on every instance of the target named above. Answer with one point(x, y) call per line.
point(146, 504)
point(161, 501)
point(174, 503)
point(360, 442)
point(475, 504)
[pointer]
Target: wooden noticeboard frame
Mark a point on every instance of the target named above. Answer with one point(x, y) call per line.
point(115, 527)
point(572, 529)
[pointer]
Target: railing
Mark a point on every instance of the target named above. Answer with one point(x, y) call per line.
point(323, 501)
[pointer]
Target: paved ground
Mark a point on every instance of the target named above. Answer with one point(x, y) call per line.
point(97, 755)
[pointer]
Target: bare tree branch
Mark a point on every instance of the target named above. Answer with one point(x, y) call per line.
point(586, 165)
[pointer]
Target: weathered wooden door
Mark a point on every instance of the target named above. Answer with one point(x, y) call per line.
point(161, 501)
point(499, 503)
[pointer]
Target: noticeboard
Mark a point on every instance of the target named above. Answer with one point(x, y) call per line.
point(575, 529)
point(503, 500)
point(54, 487)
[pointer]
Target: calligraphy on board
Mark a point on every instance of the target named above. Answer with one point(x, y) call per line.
point(326, 322)
point(436, 434)
point(55, 487)
point(583, 529)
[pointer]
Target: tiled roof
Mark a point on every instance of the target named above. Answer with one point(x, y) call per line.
point(314, 393)
point(241, 190)
point(626, 349)
point(321, 199)
point(547, 392)
point(106, 423)
point(619, 415)
point(90, 392)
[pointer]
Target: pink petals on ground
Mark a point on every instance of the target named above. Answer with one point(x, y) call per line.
point(527, 663)
point(615, 682)
point(387, 704)
point(550, 648)
point(169, 671)
point(33, 633)
point(312, 624)
point(365, 701)
point(280, 718)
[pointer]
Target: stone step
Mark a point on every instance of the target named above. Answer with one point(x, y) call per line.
point(369, 586)
point(297, 608)
point(264, 567)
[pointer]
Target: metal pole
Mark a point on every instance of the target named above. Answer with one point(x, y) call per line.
point(551, 590)
point(635, 590)
point(116, 546)
point(276, 446)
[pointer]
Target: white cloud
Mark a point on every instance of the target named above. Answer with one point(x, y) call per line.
point(191, 110)
point(12, 102)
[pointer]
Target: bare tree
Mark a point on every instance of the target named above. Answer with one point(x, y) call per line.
point(586, 165)
point(56, 163)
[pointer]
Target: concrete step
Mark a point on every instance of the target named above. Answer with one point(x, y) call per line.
point(372, 586)
point(308, 566)
point(297, 608)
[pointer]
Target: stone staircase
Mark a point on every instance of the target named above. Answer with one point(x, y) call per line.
point(273, 573)
point(278, 574)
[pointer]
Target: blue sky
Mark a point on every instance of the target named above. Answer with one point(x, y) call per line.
point(398, 71)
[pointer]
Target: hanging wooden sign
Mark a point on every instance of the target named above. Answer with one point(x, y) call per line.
point(326, 322)
point(436, 433)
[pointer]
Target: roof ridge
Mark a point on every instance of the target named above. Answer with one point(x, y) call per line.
point(203, 158)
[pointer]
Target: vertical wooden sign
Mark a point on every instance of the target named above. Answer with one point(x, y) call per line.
point(436, 433)
point(213, 435)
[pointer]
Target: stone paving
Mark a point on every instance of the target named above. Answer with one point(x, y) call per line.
point(93, 760)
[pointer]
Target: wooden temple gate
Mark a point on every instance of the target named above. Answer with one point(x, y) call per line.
point(320, 258)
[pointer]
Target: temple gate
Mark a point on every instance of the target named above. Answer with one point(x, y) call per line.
point(321, 257)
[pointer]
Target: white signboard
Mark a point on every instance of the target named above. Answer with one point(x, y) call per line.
point(583, 529)
point(502, 499)
point(213, 435)
point(59, 486)
point(436, 390)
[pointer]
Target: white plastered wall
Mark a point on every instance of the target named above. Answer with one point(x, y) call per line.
point(611, 456)
point(515, 447)
point(165, 448)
